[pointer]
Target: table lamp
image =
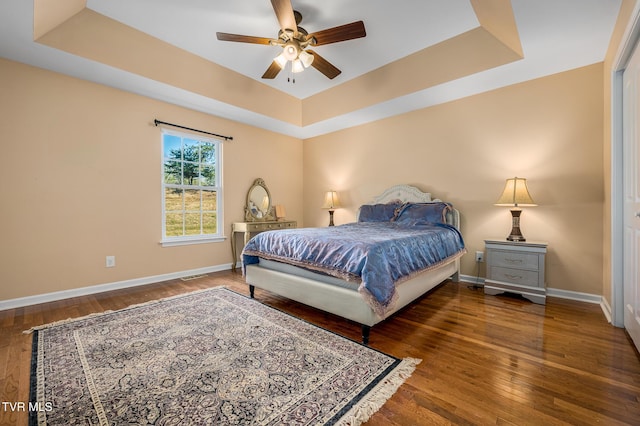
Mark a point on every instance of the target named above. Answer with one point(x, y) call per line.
point(331, 202)
point(280, 212)
point(516, 195)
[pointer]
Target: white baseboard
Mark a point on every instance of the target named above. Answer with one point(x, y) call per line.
point(552, 292)
point(574, 295)
point(606, 309)
point(472, 279)
point(100, 288)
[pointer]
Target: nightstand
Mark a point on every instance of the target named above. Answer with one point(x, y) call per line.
point(516, 267)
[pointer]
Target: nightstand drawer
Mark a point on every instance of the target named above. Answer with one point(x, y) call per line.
point(510, 259)
point(515, 276)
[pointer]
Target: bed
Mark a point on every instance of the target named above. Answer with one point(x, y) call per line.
point(358, 288)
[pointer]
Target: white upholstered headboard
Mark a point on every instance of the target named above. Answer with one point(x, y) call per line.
point(411, 194)
point(404, 194)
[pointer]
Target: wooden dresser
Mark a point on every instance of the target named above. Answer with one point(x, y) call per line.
point(248, 228)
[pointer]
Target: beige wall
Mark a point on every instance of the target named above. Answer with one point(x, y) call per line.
point(81, 31)
point(81, 180)
point(99, 38)
point(547, 130)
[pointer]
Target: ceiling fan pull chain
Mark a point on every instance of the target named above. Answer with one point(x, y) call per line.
point(290, 78)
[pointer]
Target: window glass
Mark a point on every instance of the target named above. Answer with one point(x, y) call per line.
point(191, 187)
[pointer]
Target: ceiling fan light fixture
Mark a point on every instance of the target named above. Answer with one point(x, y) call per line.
point(294, 39)
point(306, 58)
point(290, 51)
point(297, 66)
point(281, 60)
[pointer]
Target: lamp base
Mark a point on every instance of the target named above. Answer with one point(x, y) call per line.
point(515, 235)
point(331, 218)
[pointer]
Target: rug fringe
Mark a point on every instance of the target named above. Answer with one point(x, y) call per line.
point(96, 314)
point(384, 390)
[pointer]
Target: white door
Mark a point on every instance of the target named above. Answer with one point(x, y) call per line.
point(631, 191)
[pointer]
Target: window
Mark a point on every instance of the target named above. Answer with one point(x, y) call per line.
point(191, 189)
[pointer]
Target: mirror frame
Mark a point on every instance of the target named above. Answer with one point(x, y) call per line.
point(248, 214)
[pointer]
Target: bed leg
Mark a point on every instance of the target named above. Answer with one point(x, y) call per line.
point(456, 277)
point(366, 330)
point(252, 290)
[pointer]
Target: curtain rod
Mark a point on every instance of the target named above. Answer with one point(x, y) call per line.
point(226, 138)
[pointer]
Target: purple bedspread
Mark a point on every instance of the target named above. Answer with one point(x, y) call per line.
point(376, 254)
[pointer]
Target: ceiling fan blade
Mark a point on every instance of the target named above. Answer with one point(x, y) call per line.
point(340, 33)
point(243, 38)
point(272, 71)
point(284, 13)
point(324, 66)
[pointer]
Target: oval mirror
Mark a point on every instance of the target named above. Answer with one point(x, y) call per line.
point(258, 207)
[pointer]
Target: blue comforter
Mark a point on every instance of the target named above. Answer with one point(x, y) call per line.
point(376, 254)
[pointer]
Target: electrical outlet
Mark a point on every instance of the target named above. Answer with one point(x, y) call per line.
point(479, 256)
point(110, 262)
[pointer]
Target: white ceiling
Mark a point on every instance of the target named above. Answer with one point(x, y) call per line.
point(192, 24)
point(556, 35)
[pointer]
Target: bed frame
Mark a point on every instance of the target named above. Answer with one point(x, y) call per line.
point(347, 302)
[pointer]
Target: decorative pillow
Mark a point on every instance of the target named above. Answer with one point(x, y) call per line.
point(378, 212)
point(423, 213)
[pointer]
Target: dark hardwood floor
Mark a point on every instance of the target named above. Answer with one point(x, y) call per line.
point(495, 360)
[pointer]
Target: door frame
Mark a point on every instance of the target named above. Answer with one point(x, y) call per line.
point(630, 40)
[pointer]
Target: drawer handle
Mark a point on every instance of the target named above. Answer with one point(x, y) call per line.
point(513, 260)
point(513, 277)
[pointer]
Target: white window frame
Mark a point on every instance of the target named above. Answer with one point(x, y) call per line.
point(168, 241)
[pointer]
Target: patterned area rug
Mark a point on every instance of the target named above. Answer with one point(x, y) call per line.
point(209, 357)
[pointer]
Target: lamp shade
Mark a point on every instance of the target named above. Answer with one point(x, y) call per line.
point(297, 66)
point(516, 194)
point(281, 60)
point(306, 58)
point(280, 212)
point(331, 200)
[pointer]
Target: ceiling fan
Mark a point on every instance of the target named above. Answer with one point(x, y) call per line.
point(295, 41)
